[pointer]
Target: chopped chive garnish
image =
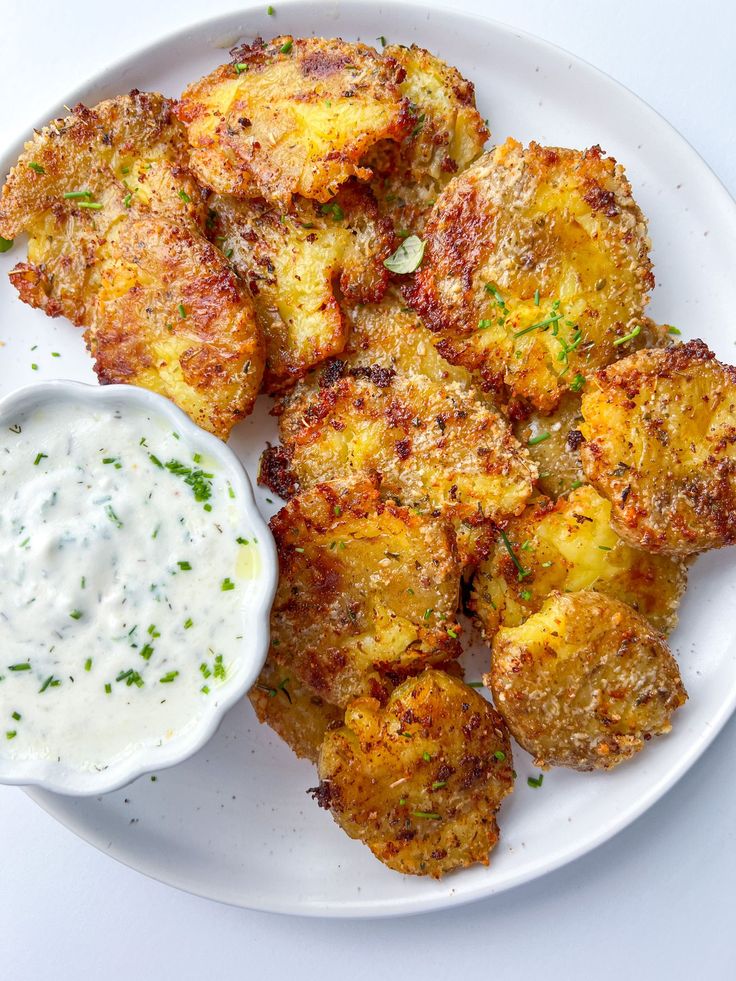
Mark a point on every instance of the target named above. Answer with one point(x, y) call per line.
point(577, 383)
point(76, 614)
point(286, 47)
point(426, 757)
point(500, 755)
point(39, 457)
point(108, 689)
point(20, 667)
point(240, 67)
point(154, 459)
point(535, 781)
point(514, 557)
point(536, 440)
point(205, 689)
point(628, 337)
point(153, 632)
point(88, 664)
point(241, 541)
point(113, 517)
point(11, 734)
point(6, 244)
point(605, 548)
point(270, 11)
point(452, 633)
point(146, 651)
point(188, 623)
point(182, 311)
point(37, 167)
point(91, 205)
point(226, 585)
point(168, 678)
point(184, 566)
point(439, 783)
point(34, 366)
point(74, 195)
point(526, 595)
point(673, 330)
point(430, 815)
point(536, 298)
point(474, 684)
point(50, 682)
point(185, 197)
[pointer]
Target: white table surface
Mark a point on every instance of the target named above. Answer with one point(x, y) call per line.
point(656, 901)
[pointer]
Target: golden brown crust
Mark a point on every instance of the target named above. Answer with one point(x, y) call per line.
point(562, 222)
point(567, 547)
point(292, 116)
point(438, 447)
point(660, 429)
point(171, 317)
point(299, 716)
point(447, 135)
point(585, 682)
point(114, 216)
point(420, 781)
point(367, 591)
point(293, 263)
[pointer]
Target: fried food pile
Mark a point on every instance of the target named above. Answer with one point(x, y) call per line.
point(475, 412)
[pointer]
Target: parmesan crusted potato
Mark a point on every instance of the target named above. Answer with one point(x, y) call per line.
point(171, 316)
point(438, 447)
point(367, 592)
point(419, 781)
point(292, 116)
point(447, 135)
point(113, 217)
point(567, 547)
point(80, 175)
point(292, 261)
point(660, 430)
point(585, 682)
point(536, 270)
point(299, 716)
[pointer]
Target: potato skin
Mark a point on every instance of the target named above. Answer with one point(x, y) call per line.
point(660, 430)
point(559, 221)
point(367, 592)
point(292, 116)
point(438, 446)
point(585, 682)
point(570, 546)
point(292, 263)
point(127, 269)
point(419, 781)
point(447, 135)
point(296, 713)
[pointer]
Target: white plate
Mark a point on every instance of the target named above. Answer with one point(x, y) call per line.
point(234, 823)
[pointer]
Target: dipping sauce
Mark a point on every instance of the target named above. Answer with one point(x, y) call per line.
point(124, 565)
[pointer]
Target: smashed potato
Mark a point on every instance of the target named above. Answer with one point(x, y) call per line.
point(438, 447)
point(536, 270)
point(419, 781)
point(553, 441)
point(292, 262)
point(292, 116)
point(660, 430)
point(447, 135)
point(80, 175)
point(299, 716)
point(170, 316)
point(585, 682)
point(570, 546)
point(367, 594)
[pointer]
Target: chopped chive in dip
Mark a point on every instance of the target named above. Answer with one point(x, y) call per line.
point(76, 614)
point(88, 664)
point(168, 678)
point(188, 623)
point(20, 667)
point(228, 584)
point(184, 566)
point(17, 716)
point(535, 781)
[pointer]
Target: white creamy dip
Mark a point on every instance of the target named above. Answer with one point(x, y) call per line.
point(124, 564)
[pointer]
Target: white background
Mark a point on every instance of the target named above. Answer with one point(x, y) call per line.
point(656, 901)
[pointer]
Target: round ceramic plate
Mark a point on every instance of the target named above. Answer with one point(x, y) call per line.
point(234, 822)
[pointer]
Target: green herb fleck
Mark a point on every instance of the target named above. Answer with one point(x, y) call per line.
point(184, 566)
point(535, 781)
point(523, 573)
point(36, 167)
point(76, 614)
point(286, 47)
point(168, 678)
point(628, 337)
point(228, 584)
point(536, 440)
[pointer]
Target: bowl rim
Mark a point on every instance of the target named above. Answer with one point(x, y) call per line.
point(61, 779)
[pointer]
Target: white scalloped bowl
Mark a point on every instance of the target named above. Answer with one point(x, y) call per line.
point(62, 779)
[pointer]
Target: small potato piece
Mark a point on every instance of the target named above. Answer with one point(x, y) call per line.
point(437, 446)
point(660, 430)
point(292, 261)
point(171, 316)
point(536, 263)
point(554, 442)
point(367, 592)
point(420, 781)
point(77, 177)
point(447, 135)
point(292, 116)
point(570, 546)
point(585, 682)
point(293, 710)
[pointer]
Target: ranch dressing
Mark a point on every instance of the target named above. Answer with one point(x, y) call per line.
point(124, 566)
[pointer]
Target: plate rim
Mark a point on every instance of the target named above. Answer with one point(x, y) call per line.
point(413, 905)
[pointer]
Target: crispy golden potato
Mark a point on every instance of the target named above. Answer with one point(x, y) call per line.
point(292, 116)
point(447, 135)
point(113, 217)
point(80, 175)
point(389, 334)
point(570, 546)
point(536, 269)
point(585, 682)
point(292, 263)
point(419, 781)
point(367, 592)
point(293, 710)
point(660, 430)
point(437, 446)
point(171, 316)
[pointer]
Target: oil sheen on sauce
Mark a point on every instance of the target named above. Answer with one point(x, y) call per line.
point(124, 566)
